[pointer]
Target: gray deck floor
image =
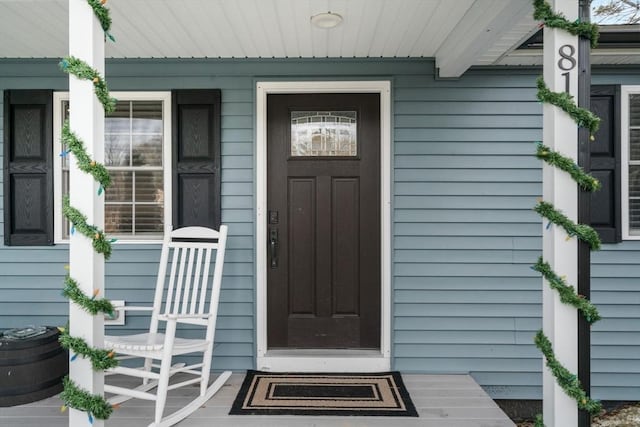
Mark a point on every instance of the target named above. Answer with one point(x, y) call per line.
point(441, 400)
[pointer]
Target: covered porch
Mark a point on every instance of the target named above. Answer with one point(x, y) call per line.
point(202, 35)
point(441, 401)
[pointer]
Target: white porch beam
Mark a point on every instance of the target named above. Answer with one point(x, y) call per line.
point(86, 42)
point(477, 31)
point(560, 133)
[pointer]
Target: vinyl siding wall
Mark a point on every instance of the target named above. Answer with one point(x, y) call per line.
point(464, 234)
point(615, 289)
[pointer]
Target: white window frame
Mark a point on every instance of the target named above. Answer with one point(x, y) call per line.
point(165, 97)
point(625, 91)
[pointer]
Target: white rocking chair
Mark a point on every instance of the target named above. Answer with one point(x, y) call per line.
point(192, 298)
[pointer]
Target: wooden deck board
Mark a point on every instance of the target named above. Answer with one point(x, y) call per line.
point(441, 401)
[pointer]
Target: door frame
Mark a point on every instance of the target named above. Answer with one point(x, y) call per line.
point(323, 360)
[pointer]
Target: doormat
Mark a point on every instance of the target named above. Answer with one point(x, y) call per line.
point(268, 393)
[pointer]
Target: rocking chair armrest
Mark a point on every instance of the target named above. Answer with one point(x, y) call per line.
point(184, 316)
point(132, 308)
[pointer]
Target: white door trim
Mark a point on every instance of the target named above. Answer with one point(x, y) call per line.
point(340, 360)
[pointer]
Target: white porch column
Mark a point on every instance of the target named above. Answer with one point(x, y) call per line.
point(86, 42)
point(560, 134)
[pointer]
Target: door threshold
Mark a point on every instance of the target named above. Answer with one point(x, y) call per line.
point(323, 360)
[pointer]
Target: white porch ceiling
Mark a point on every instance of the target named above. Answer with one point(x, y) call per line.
point(457, 33)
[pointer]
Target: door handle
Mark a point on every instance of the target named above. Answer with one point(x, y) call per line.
point(273, 246)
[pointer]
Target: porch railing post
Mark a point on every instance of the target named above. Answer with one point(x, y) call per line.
point(86, 42)
point(560, 133)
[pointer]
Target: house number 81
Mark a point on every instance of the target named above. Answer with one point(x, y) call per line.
point(566, 62)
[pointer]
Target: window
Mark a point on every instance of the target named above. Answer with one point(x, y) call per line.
point(630, 124)
point(137, 154)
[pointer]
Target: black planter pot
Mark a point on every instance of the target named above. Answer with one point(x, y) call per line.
point(31, 369)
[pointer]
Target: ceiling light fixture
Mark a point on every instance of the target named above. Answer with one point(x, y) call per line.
point(326, 20)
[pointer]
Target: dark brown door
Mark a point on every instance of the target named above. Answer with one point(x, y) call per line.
point(323, 219)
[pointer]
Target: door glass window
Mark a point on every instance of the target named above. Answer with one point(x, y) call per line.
point(323, 133)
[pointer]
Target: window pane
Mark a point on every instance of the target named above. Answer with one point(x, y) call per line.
point(634, 110)
point(634, 217)
point(117, 218)
point(116, 150)
point(118, 121)
point(634, 144)
point(149, 187)
point(634, 181)
point(147, 117)
point(120, 189)
point(149, 219)
point(323, 133)
point(65, 116)
point(147, 150)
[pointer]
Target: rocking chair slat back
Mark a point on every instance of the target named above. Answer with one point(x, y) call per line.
point(203, 290)
point(196, 282)
point(190, 289)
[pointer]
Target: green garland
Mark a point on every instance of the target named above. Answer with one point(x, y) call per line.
point(79, 221)
point(581, 231)
point(538, 422)
point(543, 12)
point(584, 180)
point(567, 293)
point(569, 382)
point(102, 13)
point(90, 305)
point(100, 359)
point(85, 164)
point(77, 398)
point(83, 71)
point(583, 117)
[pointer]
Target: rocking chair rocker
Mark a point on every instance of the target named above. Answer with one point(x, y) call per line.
point(189, 297)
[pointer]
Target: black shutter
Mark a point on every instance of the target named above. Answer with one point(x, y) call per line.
point(28, 167)
point(196, 157)
point(605, 164)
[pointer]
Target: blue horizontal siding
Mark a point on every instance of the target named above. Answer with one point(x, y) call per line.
point(615, 289)
point(464, 233)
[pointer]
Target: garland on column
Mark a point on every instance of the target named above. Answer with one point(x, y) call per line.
point(567, 293)
point(568, 381)
point(94, 405)
point(90, 305)
point(80, 69)
point(78, 220)
point(543, 12)
point(72, 144)
point(73, 396)
point(584, 180)
point(100, 359)
point(583, 118)
point(564, 101)
point(581, 231)
point(102, 13)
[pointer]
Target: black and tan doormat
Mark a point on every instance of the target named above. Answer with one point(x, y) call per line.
point(267, 393)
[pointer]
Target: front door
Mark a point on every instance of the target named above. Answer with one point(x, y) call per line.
point(323, 201)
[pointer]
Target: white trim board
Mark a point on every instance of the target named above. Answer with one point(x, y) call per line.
point(339, 361)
